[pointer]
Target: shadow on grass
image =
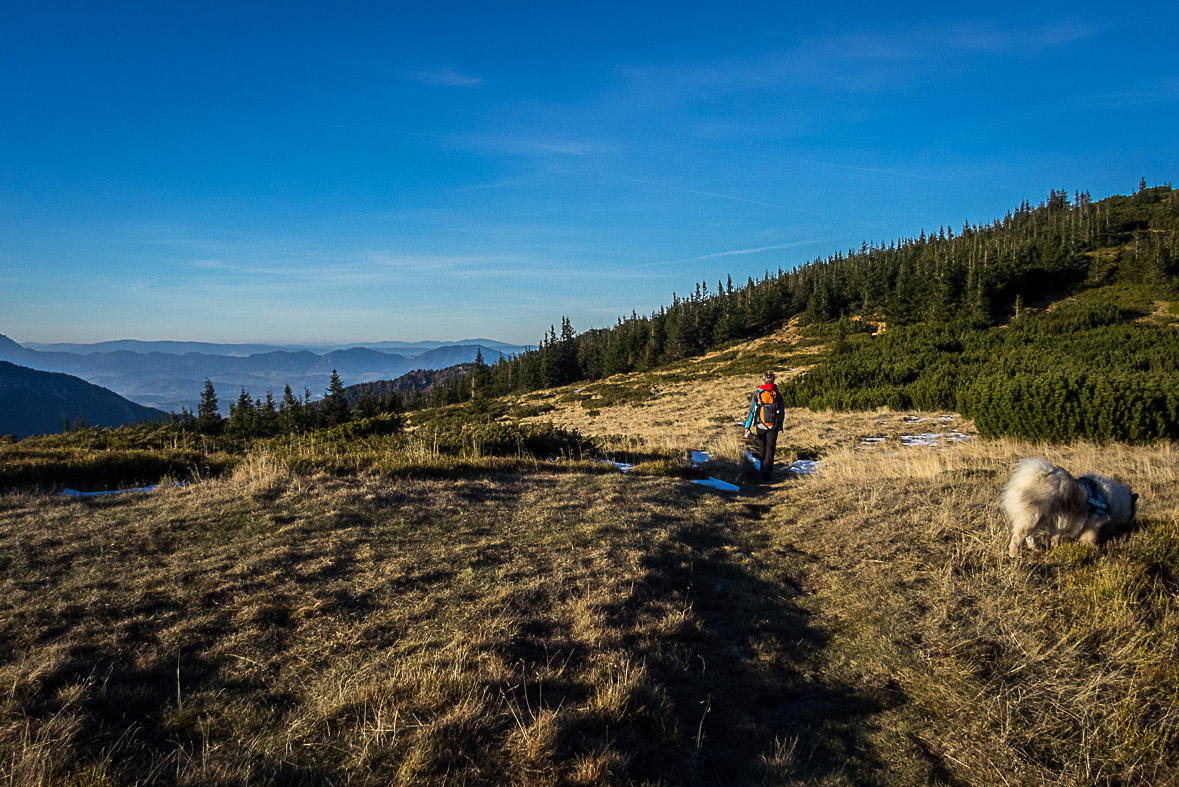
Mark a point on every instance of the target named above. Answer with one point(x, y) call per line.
point(733, 682)
point(724, 684)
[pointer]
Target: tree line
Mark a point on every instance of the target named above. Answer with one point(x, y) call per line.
point(293, 414)
point(982, 274)
point(925, 289)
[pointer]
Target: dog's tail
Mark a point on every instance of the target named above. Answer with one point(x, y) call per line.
point(1041, 485)
point(1032, 469)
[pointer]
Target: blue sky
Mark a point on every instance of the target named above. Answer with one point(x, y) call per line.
point(306, 171)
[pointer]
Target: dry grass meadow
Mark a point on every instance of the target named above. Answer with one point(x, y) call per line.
point(862, 625)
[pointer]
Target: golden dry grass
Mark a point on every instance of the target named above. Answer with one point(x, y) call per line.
point(1044, 670)
point(271, 627)
point(858, 626)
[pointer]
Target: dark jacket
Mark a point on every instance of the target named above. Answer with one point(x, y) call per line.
point(779, 410)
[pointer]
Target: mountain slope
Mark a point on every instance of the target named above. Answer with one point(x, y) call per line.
point(34, 402)
point(421, 380)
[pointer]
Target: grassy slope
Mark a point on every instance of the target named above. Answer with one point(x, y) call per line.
point(859, 626)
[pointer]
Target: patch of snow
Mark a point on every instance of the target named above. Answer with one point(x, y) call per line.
point(947, 417)
point(805, 466)
point(716, 483)
point(933, 439)
point(622, 466)
point(698, 458)
point(872, 440)
point(753, 460)
point(76, 494)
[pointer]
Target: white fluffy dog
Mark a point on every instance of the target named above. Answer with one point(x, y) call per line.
point(1042, 499)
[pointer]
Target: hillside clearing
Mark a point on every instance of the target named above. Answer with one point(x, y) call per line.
point(860, 625)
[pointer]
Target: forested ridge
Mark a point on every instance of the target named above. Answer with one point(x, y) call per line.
point(981, 271)
point(942, 297)
point(941, 321)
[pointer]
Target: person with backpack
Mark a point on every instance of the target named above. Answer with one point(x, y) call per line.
point(766, 415)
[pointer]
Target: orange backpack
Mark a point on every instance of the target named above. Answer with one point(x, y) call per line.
point(767, 408)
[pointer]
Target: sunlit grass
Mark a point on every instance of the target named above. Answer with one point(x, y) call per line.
point(428, 608)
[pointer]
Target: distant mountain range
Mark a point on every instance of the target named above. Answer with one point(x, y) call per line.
point(242, 350)
point(34, 402)
point(170, 376)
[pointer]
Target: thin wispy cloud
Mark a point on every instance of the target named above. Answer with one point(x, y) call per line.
point(859, 61)
point(734, 198)
point(529, 145)
point(758, 250)
point(733, 253)
point(504, 183)
point(995, 40)
point(212, 265)
point(444, 76)
point(1160, 91)
point(332, 269)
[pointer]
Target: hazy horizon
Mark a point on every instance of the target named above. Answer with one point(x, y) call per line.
point(356, 342)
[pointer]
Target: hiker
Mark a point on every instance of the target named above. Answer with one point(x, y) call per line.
point(766, 415)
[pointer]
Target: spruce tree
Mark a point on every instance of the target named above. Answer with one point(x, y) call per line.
point(290, 412)
point(366, 406)
point(243, 417)
point(208, 420)
point(334, 410)
point(480, 377)
point(268, 416)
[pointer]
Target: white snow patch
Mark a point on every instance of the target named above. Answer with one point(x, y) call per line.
point(622, 466)
point(698, 458)
point(76, 494)
point(716, 483)
point(801, 466)
point(872, 440)
point(933, 439)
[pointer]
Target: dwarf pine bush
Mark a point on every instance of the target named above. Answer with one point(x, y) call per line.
point(1090, 369)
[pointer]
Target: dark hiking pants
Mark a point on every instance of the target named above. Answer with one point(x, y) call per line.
point(767, 441)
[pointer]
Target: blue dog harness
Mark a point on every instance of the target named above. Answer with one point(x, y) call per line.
point(1097, 503)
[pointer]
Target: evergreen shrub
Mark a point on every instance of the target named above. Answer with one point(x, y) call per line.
point(383, 424)
point(1089, 369)
point(540, 440)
